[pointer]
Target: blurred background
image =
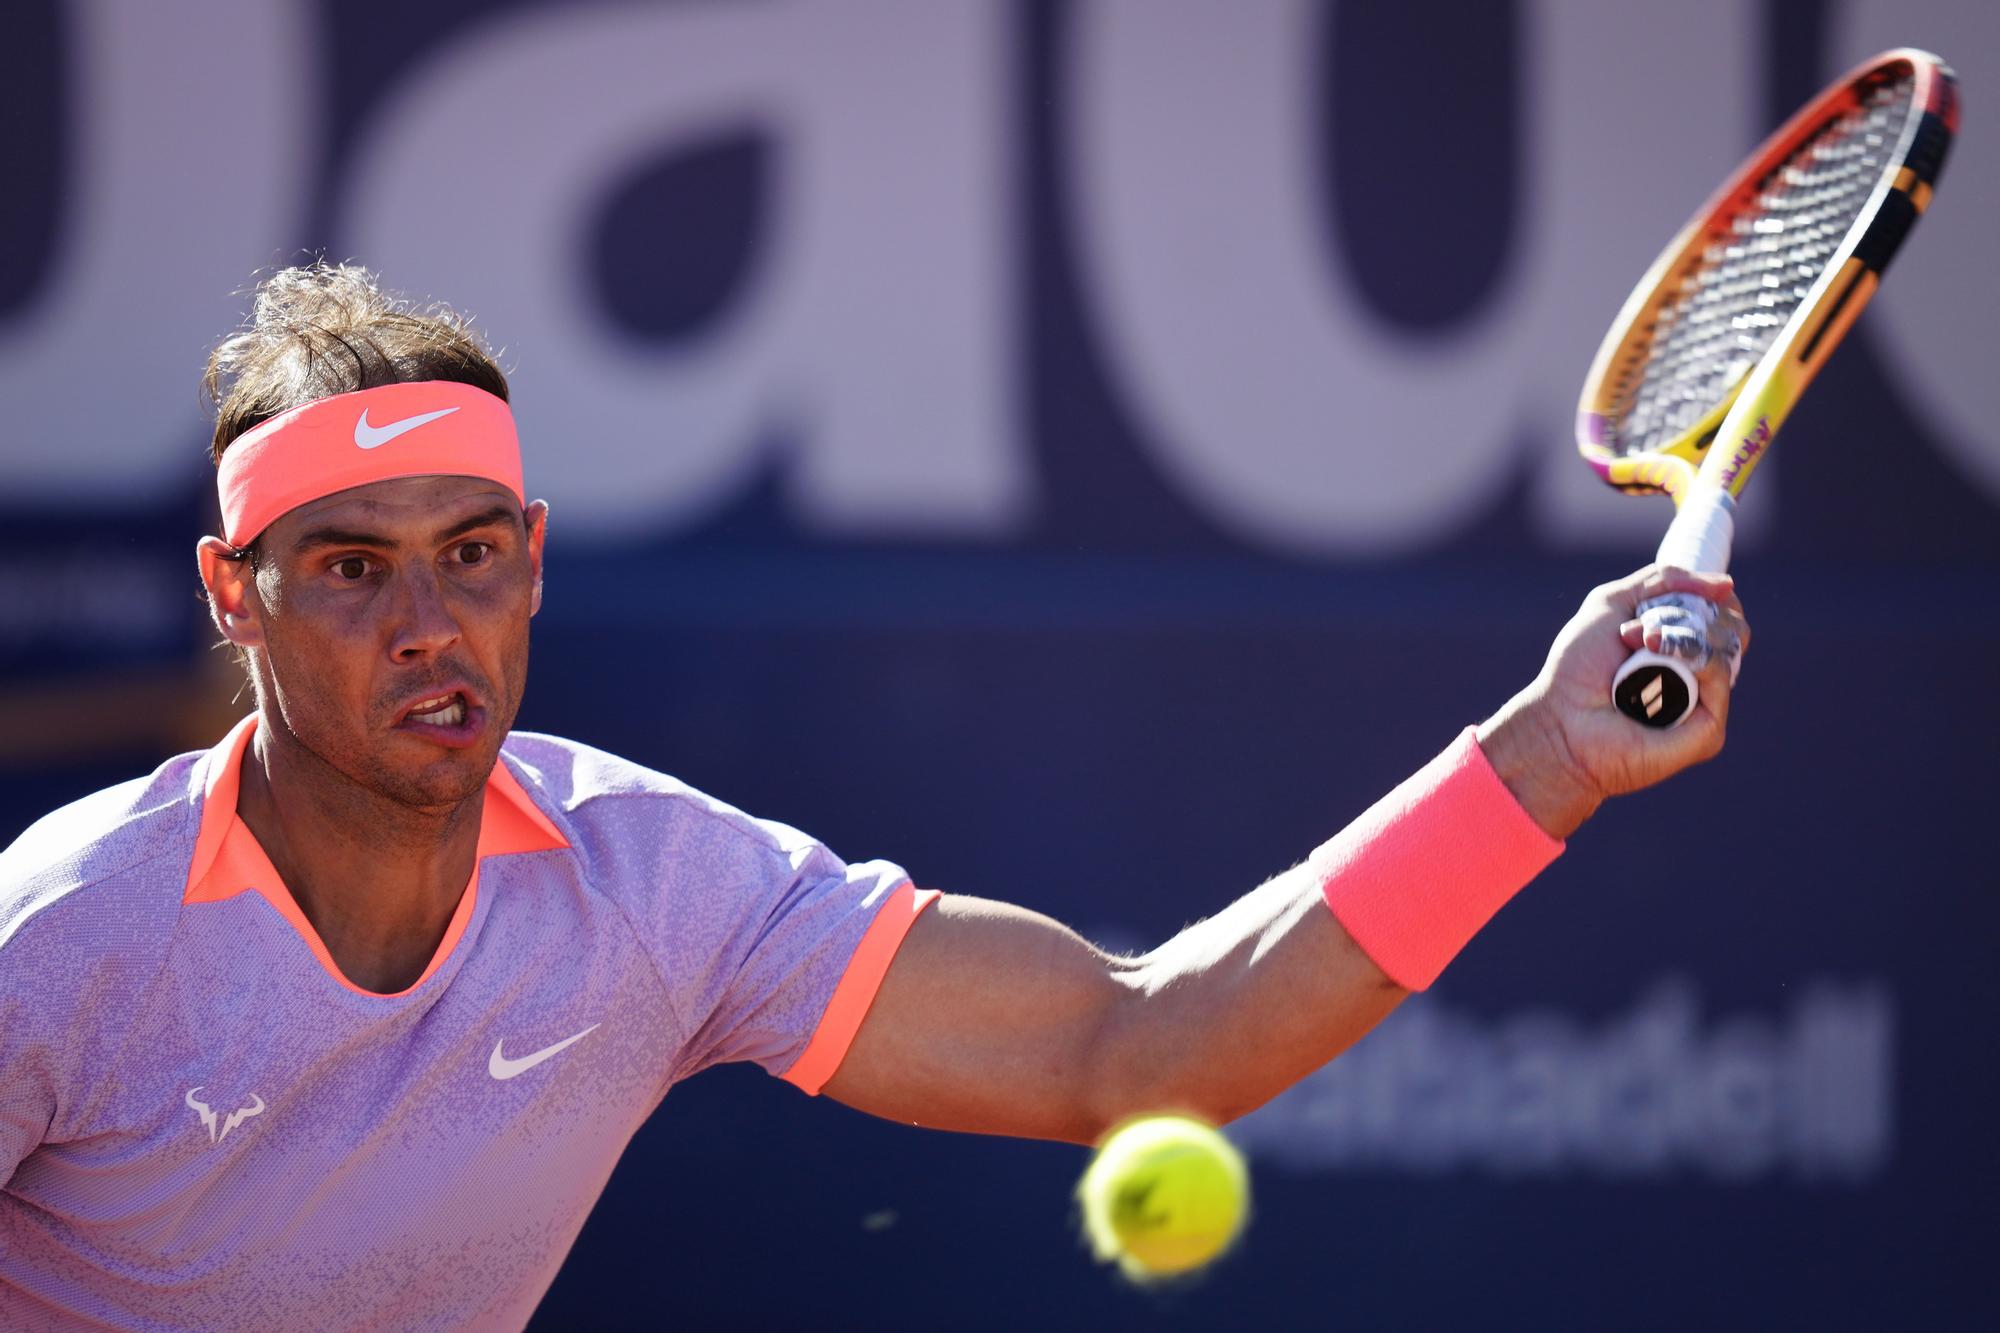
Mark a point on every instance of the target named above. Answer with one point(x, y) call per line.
point(1087, 452)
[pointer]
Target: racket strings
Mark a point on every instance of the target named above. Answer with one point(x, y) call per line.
point(1727, 305)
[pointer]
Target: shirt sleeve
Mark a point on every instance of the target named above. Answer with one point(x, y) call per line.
point(772, 947)
point(84, 929)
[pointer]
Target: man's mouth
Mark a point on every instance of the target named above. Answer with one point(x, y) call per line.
point(444, 710)
point(454, 717)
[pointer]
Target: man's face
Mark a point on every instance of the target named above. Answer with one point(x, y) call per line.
point(394, 628)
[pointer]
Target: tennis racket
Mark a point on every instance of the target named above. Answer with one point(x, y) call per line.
point(1737, 315)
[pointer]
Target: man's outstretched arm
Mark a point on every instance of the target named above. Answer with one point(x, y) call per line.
point(998, 1020)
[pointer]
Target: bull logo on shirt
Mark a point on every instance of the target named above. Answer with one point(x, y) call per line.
point(228, 1122)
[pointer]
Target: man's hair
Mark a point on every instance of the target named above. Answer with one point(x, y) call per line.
point(322, 329)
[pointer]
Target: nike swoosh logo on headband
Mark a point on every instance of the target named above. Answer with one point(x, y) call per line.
point(374, 437)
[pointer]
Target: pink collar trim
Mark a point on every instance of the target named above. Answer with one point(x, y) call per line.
point(228, 859)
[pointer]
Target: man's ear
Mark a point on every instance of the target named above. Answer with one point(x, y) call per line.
point(232, 600)
point(536, 516)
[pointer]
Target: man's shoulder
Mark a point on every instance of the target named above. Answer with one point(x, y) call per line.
point(107, 866)
point(611, 805)
point(571, 774)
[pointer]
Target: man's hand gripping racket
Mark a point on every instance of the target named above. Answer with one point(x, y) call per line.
point(1734, 319)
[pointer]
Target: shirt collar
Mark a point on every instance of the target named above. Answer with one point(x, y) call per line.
point(223, 865)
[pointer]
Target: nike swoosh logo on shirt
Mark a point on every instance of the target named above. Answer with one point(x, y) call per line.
point(501, 1067)
point(374, 437)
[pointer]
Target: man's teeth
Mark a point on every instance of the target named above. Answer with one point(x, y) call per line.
point(448, 713)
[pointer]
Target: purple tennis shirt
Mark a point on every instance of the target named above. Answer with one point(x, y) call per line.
point(203, 1124)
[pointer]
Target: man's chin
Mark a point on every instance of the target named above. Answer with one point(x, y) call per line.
point(444, 778)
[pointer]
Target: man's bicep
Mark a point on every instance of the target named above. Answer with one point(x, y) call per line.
point(986, 1021)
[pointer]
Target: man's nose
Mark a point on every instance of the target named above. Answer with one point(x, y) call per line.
point(426, 624)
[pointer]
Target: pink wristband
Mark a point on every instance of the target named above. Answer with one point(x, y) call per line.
point(1415, 877)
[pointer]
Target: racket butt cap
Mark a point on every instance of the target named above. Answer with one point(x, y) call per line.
point(1654, 690)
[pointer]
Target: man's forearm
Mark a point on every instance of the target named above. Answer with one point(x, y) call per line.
point(1236, 1008)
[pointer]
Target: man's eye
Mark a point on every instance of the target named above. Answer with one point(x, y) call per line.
point(474, 553)
point(353, 568)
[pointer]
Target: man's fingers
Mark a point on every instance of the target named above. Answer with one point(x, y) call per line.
point(1686, 642)
point(1696, 619)
point(1730, 635)
point(1738, 623)
point(1715, 678)
point(1692, 634)
point(1659, 580)
point(1680, 627)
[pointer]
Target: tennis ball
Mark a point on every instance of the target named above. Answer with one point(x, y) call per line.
point(1164, 1195)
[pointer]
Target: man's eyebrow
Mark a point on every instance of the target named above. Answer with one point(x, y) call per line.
point(316, 537)
point(313, 538)
point(484, 518)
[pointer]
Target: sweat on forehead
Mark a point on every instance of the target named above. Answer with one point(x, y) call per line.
point(423, 429)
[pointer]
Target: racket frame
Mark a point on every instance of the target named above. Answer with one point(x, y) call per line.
point(1817, 325)
point(1702, 480)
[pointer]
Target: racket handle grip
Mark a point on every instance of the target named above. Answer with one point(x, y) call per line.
point(1659, 689)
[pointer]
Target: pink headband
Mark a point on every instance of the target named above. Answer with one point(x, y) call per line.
point(427, 429)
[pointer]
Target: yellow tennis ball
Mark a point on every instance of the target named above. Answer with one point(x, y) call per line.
point(1164, 1195)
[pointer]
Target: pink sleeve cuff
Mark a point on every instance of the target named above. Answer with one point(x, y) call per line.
point(1415, 877)
point(855, 991)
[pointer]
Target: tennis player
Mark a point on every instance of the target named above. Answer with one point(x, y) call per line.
point(344, 1022)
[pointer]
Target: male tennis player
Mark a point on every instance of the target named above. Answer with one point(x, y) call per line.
point(344, 1022)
